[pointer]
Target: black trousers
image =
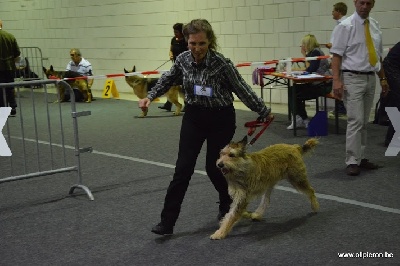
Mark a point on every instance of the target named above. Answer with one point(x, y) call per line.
point(307, 91)
point(9, 100)
point(216, 126)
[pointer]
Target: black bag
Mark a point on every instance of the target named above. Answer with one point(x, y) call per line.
point(381, 117)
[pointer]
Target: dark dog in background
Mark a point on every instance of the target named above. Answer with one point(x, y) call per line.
point(24, 71)
point(80, 86)
point(141, 86)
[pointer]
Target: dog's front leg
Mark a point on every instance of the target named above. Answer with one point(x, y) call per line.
point(144, 112)
point(61, 94)
point(87, 96)
point(90, 95)
point(228, 221)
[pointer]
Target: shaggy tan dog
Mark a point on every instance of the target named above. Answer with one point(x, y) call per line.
point(141, 86)
point(255, 174)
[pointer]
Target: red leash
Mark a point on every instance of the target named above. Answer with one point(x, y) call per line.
point(254, 124)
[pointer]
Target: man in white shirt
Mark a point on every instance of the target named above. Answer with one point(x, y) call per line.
point(354, 66)
point(80, 65)
point(339, 14)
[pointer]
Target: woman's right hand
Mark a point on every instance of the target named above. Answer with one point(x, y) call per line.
point(144, 103)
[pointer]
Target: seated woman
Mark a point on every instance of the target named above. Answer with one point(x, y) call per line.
point(307, 91)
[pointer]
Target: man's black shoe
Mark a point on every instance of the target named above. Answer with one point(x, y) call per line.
point(353, 170)
point(163, 230)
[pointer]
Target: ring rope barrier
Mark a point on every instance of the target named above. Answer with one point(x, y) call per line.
point(245, 64)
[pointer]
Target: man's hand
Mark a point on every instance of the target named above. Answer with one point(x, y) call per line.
point(385, 87)
point(337, 87)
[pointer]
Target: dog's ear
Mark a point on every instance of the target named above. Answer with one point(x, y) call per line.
point(51, 68)
point(44, 70)
point(126, 71)
point(134, 69)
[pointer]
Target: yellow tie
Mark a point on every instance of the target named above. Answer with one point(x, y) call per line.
point(370, 45)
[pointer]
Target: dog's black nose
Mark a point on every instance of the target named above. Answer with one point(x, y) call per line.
point(220, 165)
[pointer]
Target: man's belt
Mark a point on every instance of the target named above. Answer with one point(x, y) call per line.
point(359, 72)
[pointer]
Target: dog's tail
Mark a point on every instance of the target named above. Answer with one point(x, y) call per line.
point(309, 145)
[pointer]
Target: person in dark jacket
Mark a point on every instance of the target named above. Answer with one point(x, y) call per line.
point(178, 45)
point(9, 55)
point(391, 65)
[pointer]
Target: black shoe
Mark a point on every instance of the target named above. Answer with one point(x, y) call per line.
point(13, 112)
point(366, 164)
point(386, 143)
point(224, 207)
point(353, 170)
point(222, 212)
point(163, 230)
point(221, 215)
point(167, 106)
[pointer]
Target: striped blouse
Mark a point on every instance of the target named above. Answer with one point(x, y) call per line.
point(217, 74)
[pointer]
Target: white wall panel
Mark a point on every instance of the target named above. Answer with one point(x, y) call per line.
point(116, 34)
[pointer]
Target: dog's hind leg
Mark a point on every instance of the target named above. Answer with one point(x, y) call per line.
point(258, 214)
point(178, 106)
point(173, 97)
point(300, 182)
point(89, 96)
point(60, 94)
point(229, 220)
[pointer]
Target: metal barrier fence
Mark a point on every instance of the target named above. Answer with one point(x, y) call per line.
point(40, 141)
point(30, 66)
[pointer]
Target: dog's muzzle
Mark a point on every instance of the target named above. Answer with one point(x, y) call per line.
point(222, 168)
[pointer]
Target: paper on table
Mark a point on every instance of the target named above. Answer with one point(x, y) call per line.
point(297, 73)
point(309, 76)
